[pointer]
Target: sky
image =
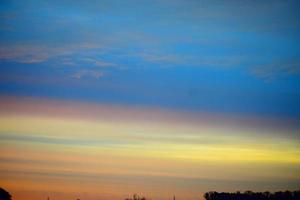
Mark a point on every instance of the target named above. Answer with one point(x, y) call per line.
point(103, 99)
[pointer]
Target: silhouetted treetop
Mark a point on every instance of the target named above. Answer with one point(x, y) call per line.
point(136, 197)
point(4, 195)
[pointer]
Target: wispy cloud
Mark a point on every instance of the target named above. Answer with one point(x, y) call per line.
point(88, 73)
point(36, 53)
point(278, 69)
point(192, 60)
point(99, 62)
point(168, 58)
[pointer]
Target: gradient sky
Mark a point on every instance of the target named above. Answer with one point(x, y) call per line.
point(103, 99)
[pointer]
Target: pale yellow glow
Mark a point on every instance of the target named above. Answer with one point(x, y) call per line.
point(42, 151)
point(195, 144)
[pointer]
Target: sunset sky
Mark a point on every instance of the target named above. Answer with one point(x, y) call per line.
point(103, 99)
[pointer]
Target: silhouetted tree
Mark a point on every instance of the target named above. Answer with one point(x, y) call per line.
point(136, 197)
point(4, 195)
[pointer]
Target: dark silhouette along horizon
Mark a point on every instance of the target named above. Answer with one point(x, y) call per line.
point(4, 195)
point(249, 195)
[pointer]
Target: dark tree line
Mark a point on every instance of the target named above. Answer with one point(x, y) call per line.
point(4, 195)
point(249, 195)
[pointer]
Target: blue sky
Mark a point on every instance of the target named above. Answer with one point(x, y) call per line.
point(212, 56)
point(108, 98)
